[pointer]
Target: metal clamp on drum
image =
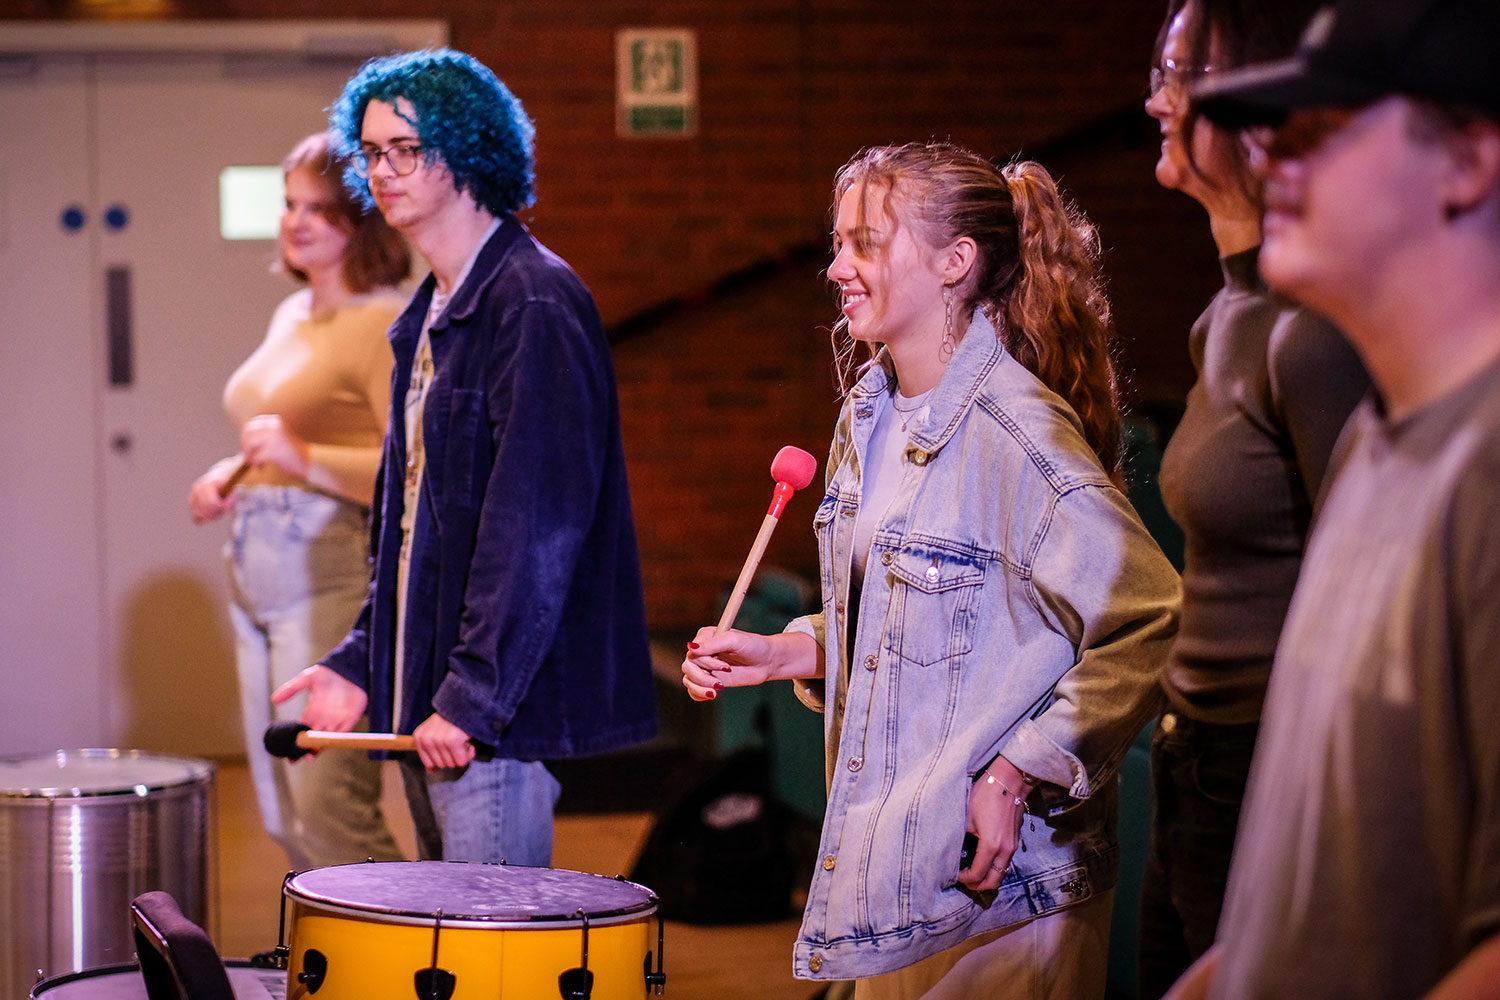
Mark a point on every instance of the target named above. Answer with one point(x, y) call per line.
point(459, 929)
point(656, 982)
point(433, 983)
point(578, 984)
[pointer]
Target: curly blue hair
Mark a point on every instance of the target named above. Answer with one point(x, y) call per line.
point(464, 116)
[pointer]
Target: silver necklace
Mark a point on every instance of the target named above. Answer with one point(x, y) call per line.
point(904, 413)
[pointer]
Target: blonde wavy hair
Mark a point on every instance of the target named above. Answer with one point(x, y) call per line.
point(1036, 276)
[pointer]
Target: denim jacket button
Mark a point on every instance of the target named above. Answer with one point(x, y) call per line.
point(855, 763)
point(886, 558)
point(919, 457)
point(829, 861)
point(870, 662)
point(839, 608)
point(815, 963)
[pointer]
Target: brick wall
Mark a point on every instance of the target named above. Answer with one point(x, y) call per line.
point(789, 89)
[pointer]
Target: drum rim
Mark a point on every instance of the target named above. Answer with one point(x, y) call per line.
point(200, 772)
point(426, 918)
point(115, 969)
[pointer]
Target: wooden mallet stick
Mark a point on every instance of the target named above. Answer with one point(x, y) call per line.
point(793, 469)
point(234, 478)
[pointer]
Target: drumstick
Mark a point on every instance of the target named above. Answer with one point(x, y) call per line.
point(234, 478)
point(293, 740)
point(792, 468)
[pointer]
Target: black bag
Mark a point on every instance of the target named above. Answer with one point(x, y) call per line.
point(730, 851)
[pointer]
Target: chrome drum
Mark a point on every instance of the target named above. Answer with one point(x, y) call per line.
point(82, 833)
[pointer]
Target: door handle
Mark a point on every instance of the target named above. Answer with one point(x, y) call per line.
point(120, 336)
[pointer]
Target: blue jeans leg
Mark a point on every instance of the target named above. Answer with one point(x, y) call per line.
point(1198, 774)
point(493, 810)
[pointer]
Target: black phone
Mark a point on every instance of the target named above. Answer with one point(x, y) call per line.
point(966, 853)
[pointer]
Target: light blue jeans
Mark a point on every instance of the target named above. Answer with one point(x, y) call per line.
point(298, 571)
point(492, 810)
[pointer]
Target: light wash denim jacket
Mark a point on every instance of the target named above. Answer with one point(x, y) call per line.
point(1014, 604)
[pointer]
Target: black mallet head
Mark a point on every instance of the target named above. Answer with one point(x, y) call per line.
point(281, 740)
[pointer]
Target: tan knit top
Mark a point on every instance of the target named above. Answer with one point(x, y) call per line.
point(328, 376)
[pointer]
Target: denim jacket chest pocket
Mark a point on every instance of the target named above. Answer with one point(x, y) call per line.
point(934, 609)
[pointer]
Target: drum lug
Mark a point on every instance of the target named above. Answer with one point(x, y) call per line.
point(656, 982)
point(433, 983)
point(578, 984)
point(314, 969)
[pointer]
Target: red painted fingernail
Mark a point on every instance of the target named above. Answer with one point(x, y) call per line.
point(718, 686)
point(712, 695)
point(692, 645)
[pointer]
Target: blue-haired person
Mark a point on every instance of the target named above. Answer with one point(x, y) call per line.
point(505, 625)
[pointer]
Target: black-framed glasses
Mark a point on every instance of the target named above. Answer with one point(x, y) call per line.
point(1174, 79)
point(402, 158)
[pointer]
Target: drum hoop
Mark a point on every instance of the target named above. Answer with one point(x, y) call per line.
point(618, 914)
point(199, 772)
point(423, 918)
point(121, 968)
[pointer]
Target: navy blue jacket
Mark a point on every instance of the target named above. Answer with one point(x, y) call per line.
point(525, 625)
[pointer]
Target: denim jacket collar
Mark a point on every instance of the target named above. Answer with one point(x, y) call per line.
point(977, 354)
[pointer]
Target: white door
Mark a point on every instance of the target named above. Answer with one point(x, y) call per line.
point(118, 335)
point(51, 635)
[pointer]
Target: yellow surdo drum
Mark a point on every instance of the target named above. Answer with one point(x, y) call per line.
point(446, 930)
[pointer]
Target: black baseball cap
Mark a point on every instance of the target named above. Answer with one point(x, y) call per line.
point(1355, 52)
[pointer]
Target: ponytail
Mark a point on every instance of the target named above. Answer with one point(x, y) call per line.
point(1056, 315)
point(1036, 275)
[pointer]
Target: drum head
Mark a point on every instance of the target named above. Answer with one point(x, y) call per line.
point(471, 893)
point(80, 773)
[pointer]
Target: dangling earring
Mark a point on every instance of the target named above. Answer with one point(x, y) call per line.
point(945, 350)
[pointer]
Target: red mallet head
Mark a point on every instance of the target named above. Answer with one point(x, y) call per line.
point(793, 469)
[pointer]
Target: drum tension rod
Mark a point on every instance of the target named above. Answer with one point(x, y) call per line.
point(657, 981)
point(433, 983)
point(281, 955)
point(578, 984)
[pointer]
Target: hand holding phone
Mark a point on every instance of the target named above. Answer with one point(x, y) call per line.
point(966, 853)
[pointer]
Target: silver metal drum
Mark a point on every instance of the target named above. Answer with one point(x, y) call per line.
point(82, 833)
point(124, 982)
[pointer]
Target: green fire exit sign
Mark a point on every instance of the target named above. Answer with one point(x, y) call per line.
point(656, 82)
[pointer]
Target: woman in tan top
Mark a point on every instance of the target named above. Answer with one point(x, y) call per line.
point(311, 405)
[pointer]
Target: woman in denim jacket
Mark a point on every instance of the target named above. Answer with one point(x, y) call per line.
point(994, 613)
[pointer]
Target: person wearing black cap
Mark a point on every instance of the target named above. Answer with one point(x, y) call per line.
point(1368, 858)
point(1275, 384)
